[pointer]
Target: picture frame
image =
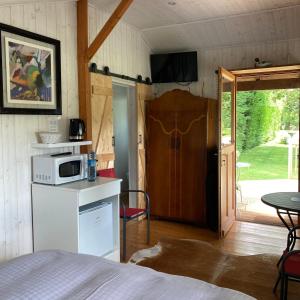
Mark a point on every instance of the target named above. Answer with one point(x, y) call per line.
point(30, 73)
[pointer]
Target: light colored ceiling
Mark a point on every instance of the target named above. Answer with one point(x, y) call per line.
point(194, 24)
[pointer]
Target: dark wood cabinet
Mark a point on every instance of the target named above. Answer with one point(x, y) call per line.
point(177, 144)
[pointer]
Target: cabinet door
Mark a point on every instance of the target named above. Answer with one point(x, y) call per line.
point(143, 94)
point(191, 162)
point(102, 120)
point(161, 152)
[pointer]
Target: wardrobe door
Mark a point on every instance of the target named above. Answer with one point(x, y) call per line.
point(160, 158)
point(191, 161)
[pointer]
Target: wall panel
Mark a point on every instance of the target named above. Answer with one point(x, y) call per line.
point(235, 57)
point(125, 51)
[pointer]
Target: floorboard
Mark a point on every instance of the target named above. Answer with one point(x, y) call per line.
point(243, 239)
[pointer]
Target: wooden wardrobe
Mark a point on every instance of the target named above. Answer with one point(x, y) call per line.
point(179, 136)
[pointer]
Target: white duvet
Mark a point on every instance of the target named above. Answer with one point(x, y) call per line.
point(61, 275)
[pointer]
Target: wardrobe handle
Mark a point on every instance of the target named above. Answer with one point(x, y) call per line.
point(113, 142)
point(178, 143)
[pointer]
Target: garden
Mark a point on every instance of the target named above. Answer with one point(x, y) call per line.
point(266, 132)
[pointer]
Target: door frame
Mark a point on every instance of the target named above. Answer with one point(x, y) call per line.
point(284, 77)
point(132, 139)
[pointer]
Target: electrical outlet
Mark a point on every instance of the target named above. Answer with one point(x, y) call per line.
point(53, 125)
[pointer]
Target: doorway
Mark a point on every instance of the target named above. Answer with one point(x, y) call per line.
point(231, 165)
point(124, 125)
point(267, 147)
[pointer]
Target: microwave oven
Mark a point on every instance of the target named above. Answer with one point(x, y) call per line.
point(59, 168)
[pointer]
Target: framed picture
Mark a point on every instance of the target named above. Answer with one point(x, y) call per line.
point(30, 81)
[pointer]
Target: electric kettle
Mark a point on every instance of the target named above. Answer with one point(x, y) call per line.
point(76, 130)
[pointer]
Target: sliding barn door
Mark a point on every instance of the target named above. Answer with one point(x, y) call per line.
point(102, 120)
point(227, 122)
point(143, 94)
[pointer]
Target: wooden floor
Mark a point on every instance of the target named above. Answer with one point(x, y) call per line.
point(243, 239)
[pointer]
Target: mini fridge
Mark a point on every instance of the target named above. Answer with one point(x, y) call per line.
point(96, 228)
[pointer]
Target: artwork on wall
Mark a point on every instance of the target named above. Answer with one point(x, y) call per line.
point(30, 80)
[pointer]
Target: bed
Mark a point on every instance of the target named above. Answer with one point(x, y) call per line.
point(63, 275)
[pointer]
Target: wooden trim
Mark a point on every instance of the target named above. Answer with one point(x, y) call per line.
point(268, 84)
point(277, 69)
point(83, 70)
point(108, 27)
point(226, 74)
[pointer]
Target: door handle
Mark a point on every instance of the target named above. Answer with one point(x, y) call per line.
point(113, 142)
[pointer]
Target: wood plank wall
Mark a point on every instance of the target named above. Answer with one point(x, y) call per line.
point(236, 57)
point(57, 20)
point(124, 51)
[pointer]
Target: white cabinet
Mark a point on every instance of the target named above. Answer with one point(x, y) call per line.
point(80, 217)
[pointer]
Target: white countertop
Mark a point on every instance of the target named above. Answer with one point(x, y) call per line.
point(82, 184)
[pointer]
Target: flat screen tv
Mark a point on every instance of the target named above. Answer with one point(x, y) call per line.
point(174, 67)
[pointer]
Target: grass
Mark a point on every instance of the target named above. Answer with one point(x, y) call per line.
point(267, 162)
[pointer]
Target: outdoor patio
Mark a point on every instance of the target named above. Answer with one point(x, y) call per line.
point(249, 205)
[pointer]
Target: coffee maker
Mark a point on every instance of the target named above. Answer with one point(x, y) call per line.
point(76, 130)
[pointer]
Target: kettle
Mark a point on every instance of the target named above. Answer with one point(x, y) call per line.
point(76, 130)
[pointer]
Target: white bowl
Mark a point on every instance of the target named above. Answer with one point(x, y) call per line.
point(49, 137)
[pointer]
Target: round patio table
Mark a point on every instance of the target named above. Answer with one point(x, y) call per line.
point(285, 203)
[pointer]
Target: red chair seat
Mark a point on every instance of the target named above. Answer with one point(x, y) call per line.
point(107, 173)
point(292, 265)
point(131, 212)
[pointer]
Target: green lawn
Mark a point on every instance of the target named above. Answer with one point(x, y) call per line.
point(267, 162)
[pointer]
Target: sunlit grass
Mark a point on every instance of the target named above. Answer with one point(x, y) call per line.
point(266, 162)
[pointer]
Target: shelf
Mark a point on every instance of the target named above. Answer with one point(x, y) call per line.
point(60, 145)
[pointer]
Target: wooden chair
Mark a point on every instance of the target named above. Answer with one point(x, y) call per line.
point(128, 213)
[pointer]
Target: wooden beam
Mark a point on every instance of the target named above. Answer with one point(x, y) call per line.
point(267, 70)
point(83, 69)
point(108, 27)
point(268, 84)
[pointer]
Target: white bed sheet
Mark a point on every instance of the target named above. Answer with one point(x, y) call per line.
point(62, 275)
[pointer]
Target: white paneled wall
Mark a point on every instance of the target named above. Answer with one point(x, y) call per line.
point(125, 52)
point(17, 132)
point(236, 57)
point(239, 57)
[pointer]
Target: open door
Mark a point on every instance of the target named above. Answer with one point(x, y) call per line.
point(227, 116)
point(143, 94)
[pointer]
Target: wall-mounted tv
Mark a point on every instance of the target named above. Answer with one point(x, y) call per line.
point(174, 67)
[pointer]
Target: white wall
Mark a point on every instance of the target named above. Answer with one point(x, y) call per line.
point(125, 52)
point(18, 132)
point(237, 57)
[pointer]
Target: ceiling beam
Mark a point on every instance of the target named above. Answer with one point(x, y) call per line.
point(86, 52)
point(108, 27)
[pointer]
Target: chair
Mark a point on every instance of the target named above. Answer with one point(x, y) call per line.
point(128, 213)
point(290, 270)
point(289, 263)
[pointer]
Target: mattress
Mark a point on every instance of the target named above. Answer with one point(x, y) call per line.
point(62, 275)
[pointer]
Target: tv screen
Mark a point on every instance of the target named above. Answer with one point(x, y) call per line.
point(174, 67)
